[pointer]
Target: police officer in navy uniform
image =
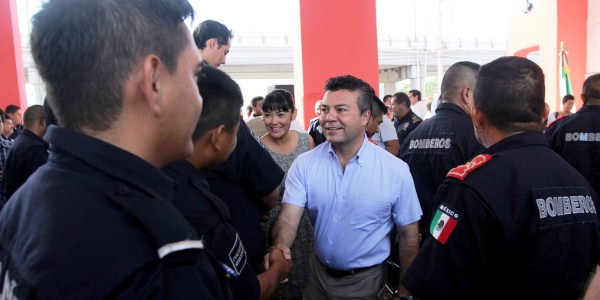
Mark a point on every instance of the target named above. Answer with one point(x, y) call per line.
point(97, 221)
point(214, 140)
point(405, 120)
point(516, 221)
point(444, 141)
point(577, 137)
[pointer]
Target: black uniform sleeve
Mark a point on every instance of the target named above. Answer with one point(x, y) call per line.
point(458, 267)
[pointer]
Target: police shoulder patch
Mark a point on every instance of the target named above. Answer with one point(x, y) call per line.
point(462, 171)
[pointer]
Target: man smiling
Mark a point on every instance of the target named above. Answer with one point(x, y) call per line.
point(355, 192)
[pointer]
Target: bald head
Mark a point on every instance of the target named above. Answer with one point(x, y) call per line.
point(32, 115)
point(459, 76)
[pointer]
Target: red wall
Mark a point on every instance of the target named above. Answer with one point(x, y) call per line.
point(338, 38)
point(12, 77)
point(572, 30)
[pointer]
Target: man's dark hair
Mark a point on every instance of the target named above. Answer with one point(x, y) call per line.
point(351, 83)
point(567, 97)
point(510, 92)
point(416, 93)
point(11, 109)
point(379, 107)
point(278, 100)
point(591, 87)
point(222, 100)
point(386, 97)
point(400, 98)
point(255, 100)
point(32, 114)
point(210, 29)
point(458, 76)
point(85, 56)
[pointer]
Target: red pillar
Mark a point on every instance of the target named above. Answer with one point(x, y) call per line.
point(337, 38)
point(12, 77)
point(572, 30)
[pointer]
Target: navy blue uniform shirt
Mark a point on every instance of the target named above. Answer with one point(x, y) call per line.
point(577, 140)
point(27, 153)
point(439, 144)
point(90, 223)
point(516, 221)
point(211, 218)
point(249, 174)
point(406, 124)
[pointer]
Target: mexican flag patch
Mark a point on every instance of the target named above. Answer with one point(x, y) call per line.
point(442, 226)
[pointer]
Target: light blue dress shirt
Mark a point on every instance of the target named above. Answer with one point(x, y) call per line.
point(353, 211)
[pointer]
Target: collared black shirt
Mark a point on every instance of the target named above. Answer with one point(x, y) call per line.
point(406, 124)
point(27, 153)
point(520, 217)
point(249, 174)
point(211, 218)
point(88, 225)
point(439, 144)
point(577, 140)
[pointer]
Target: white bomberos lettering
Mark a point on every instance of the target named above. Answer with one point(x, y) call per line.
point(565, 205)
point(436, 143)
point(582, 137)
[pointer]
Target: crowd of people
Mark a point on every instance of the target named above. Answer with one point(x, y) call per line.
point(139, 178)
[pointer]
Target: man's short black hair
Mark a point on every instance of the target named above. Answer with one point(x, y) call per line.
point(210, 29)
point(458, 76)
point(591, 87)
point(33, 114)
point(510, 92)
point(255, 100)
point(86, 50)
point(567, 97)
point(400, 98)
point(11, 109)
point(416, 93)
point(379, 107)
point(221, 101)
point(351, 83)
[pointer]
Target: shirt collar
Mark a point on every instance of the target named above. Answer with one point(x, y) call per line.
point(359, 155)
point(112, 160)
point(518, 140)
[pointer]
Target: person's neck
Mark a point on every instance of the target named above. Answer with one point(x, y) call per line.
point(346, 151)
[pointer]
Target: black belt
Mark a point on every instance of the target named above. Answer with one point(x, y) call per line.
point(342, 273)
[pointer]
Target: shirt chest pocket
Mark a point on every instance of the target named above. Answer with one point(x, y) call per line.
point(369, 213)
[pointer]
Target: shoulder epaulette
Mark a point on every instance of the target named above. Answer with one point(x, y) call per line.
point(462, 171)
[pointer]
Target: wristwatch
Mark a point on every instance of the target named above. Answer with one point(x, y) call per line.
point(396, 295)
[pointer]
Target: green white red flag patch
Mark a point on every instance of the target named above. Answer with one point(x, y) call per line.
point(442, 226)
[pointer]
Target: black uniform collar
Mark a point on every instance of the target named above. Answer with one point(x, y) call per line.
point(406, 117)
point(589, 108)
point(35, 137)
point(518, 140)
point(450, 107)
point(112, 160)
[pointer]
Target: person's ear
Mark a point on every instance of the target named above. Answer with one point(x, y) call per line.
point(584, 99)
point(294, 113)
point(478, 118)
point(149, 85)
point(218, 137)
point(365, 117)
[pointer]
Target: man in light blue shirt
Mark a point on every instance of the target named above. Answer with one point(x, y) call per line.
point(355, 192)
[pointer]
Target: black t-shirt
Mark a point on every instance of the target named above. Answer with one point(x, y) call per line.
point(211, 218)
point(249, 174)
point(517, 216)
